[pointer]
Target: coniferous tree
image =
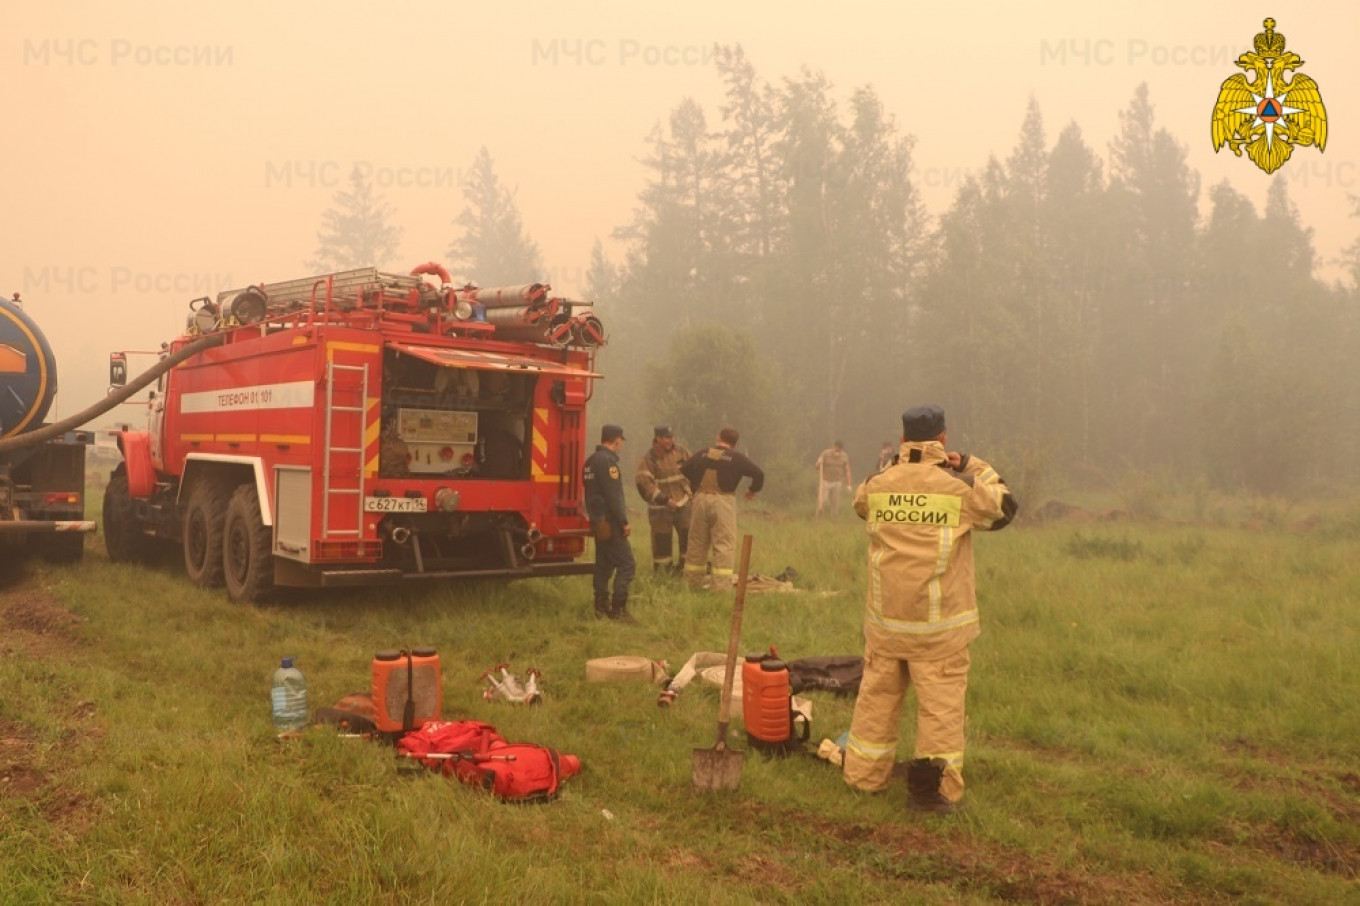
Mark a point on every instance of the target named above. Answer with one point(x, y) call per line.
point(618, 398)
point(1153, 194)
point(840, 308)
point(493, 249)
point(1024, 249)
point(874, 250)
point(679, 263)
point(356, 232)
point(755, 182)
point(1080, 246)
point(1346, 336)
point(967, 338)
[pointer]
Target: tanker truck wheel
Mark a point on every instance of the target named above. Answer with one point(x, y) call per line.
point(246, 549)
point(123, 538)
point(202, 537)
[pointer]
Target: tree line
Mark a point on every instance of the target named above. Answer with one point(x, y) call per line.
point(1077, 314)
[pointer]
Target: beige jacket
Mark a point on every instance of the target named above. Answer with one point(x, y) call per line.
point(659, 478)
point(922, 601)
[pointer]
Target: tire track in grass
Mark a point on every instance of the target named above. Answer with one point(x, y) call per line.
point(40, 632)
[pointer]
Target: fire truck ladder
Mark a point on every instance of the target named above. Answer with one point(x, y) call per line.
point(328, 488)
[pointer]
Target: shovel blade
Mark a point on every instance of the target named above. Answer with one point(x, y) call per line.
point(715, 769)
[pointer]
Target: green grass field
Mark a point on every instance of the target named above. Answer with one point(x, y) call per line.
point(1157, 714)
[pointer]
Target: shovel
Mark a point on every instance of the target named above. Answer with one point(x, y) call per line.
point(719, 768)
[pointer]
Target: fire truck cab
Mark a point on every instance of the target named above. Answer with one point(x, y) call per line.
point(361, 428)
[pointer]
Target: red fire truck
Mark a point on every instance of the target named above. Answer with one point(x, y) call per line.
point(361, 428)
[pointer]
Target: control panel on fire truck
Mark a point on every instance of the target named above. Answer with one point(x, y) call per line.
point(437, 440)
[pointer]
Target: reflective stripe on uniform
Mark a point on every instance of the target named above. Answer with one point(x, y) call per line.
point(875, 582)
point(691, 568)
point(721, 572)
point(941, 563)
point(909, 627)
point(870, 751)
point(953, 759)
point(933, 622)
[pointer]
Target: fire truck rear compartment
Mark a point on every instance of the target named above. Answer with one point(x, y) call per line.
point(453, 424)
point(440, 420)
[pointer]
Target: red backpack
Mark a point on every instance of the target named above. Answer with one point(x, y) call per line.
point(478, 756)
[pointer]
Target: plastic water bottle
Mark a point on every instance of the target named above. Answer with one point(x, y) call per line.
point(289, 696)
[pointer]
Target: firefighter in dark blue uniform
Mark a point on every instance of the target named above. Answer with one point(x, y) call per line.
point(609, 522)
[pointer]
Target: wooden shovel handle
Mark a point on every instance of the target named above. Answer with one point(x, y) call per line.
point(725, 704)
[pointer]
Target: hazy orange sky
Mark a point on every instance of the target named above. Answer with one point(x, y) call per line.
point(155, 152)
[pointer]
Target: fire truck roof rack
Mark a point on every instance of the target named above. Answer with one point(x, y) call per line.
point(345, 289)
point(523, 313)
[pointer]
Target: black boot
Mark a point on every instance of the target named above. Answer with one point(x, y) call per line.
point(923, 787)
point(602, 608)
point(618, 610)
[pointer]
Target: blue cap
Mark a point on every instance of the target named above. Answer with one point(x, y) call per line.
point(287, 662)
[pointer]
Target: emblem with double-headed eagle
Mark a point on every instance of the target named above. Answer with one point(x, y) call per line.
point(1267, 115)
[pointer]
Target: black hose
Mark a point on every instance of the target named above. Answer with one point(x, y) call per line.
point(57, 429)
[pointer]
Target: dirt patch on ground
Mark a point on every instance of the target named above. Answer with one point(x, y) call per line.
point(34, 625)
point(1345, 804)
point(937, 853)
point(1337, 790)
point(18, 776)
point(1328, 856)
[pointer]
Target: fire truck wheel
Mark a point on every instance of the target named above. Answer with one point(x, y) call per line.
point(203, 519)
point(123, 539)
point(246, 552)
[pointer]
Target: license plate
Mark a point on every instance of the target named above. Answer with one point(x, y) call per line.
point(394, 505)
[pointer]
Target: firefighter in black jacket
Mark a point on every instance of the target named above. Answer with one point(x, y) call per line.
point(714, 475)
point(609, 520)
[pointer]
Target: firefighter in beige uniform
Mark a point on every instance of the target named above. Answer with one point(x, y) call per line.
point(666, 491)
point(922, 608)
point(714, 475)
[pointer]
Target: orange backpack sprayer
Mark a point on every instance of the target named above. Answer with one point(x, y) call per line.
point(407, 689)
point(767, 704)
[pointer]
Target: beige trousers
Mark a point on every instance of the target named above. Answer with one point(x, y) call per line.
point(829, 492)
point(712, 540)
point(941, 687)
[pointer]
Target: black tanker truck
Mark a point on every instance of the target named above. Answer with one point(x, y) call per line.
point(42, 478)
